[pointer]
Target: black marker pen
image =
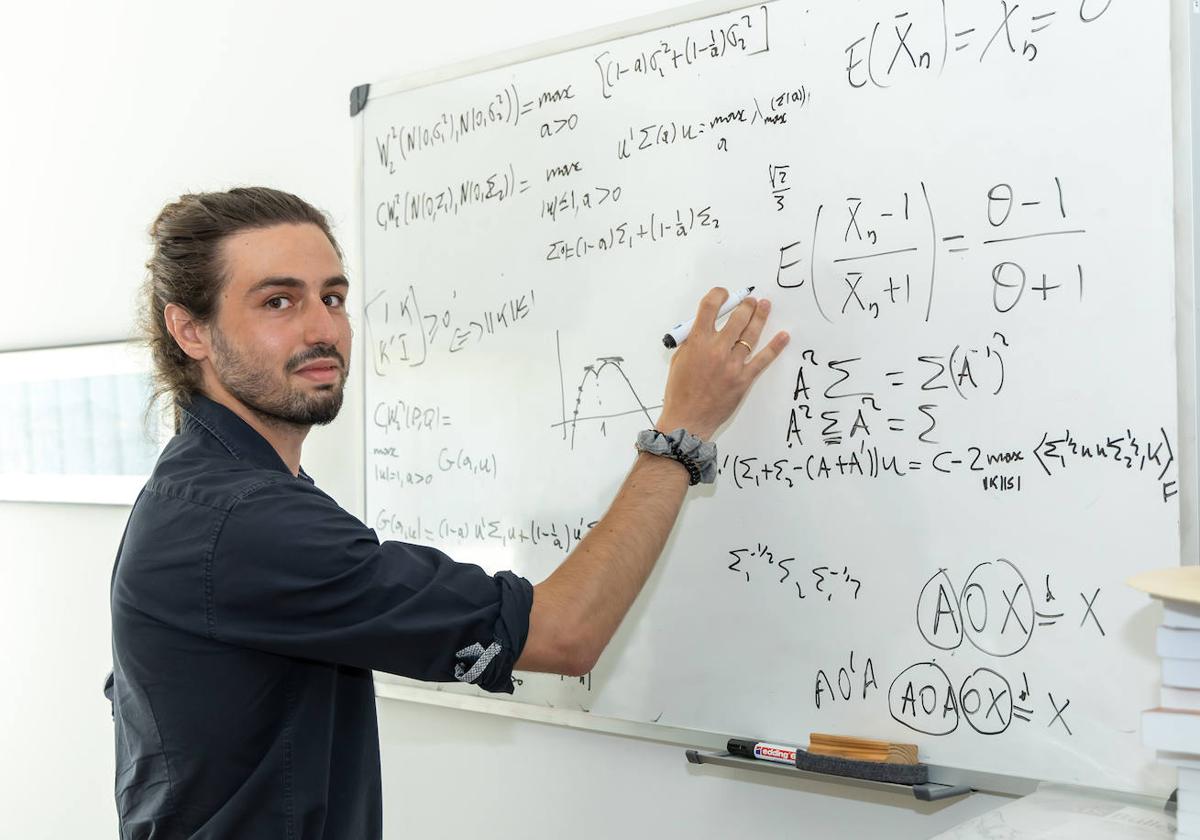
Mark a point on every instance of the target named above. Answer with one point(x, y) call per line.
point(682, 330)
point(761, 750)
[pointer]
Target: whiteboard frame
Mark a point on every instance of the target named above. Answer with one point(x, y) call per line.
point(1186, 358)
point(1183, 90)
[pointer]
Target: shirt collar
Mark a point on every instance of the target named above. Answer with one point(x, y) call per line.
point(234, 433)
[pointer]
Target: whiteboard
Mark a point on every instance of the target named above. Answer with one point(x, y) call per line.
point(962, 212)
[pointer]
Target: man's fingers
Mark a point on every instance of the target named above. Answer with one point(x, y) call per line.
point(763, 358)
point(738, 319)
point(754, 327)
point(710, 305)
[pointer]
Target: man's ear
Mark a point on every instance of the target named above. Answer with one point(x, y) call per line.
point(191, 336)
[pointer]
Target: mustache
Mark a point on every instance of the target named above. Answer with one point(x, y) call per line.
point(320, 351)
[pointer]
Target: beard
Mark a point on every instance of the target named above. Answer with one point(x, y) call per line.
point(271, 397)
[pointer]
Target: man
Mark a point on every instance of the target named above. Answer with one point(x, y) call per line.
point(248, 607)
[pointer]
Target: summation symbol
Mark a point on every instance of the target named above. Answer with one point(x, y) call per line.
point(590, 392)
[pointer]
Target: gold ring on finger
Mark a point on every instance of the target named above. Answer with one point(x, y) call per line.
point(745, 344)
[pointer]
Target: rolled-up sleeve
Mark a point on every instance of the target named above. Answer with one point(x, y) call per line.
point(292, 573)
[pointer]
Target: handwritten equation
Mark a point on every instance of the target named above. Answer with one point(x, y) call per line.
point(504, 107)
point(925, 699)
point(561, 536)
point(996, 610)
point(848, 683)
point(738, 33)
point(398, 416)
point(410, 208)
point(886, 253)
point(925, 38)
point(818, 582)
point(651, 229)
point(569, 203)
point(399, 144)
point(668, 133)
point(1151, 461)
point(457, 460)
point(401, 334)
point(822, 390)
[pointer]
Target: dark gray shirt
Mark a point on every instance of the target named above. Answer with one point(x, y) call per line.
point(247, 610)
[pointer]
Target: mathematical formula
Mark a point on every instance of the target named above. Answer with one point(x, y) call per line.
point(927, 38)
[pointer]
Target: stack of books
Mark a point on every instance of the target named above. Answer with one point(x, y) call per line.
point(1174, 727)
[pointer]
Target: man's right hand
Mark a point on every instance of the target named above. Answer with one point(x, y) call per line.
point(712, 369)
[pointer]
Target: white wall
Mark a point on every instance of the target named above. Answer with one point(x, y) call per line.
point(110, 110)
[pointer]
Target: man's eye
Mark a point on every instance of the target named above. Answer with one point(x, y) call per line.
point(279, 303)
point(334, 300)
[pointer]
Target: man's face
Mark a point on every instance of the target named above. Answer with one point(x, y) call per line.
point(281, 337)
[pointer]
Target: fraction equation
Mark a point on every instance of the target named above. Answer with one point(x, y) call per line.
point(877, 255)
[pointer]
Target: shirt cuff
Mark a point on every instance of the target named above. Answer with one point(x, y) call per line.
point(490, 666)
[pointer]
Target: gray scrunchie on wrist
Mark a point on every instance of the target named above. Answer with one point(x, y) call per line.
point(698, 456)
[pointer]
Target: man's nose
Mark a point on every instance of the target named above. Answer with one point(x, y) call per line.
point(320, 325)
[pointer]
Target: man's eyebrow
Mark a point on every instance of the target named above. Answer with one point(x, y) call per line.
point(293, 283)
